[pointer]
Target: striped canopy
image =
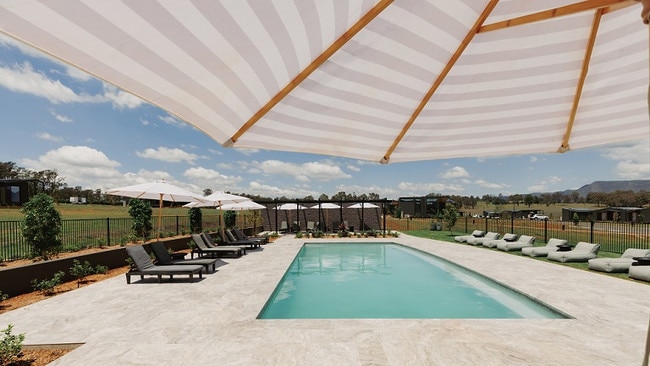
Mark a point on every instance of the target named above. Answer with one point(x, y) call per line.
point(380, 80)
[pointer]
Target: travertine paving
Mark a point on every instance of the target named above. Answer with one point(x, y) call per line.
point(214, 320)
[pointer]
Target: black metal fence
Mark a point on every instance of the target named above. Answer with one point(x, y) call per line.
point(77, 234)
point(612, 236)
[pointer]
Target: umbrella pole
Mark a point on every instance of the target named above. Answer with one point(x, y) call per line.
point(160, 205)
point(222, 222)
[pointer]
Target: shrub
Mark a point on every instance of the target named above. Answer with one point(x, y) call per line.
point(48, 287)
point(3, 297)
point(196, 220)
point(41, 226)
point(141, 213)
point(10, 345)
point(229, 218)
point(79, 271)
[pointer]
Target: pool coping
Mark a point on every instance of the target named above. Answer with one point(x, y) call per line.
point(214, 319)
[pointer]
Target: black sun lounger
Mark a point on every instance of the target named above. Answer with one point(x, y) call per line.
point(202, 249)
point(145, 267)
point(163, 258)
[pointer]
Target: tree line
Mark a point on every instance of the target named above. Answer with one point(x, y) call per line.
point(55, 186)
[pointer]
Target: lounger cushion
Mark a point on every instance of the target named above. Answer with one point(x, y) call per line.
point(617, 265)
point(524, 241)
point(582, 252)
point(494, 243)
point(474, 234)
point(479, 241)
point(551, 246)
point(640, 273)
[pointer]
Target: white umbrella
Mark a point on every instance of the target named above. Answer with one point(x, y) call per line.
point(244, 206)
point(290, 207)
point(159, 190)
point(363, 205)
point(421, 80)
point(326, 206)
point(218, 199)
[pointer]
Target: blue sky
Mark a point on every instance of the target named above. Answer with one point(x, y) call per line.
point(96, 136)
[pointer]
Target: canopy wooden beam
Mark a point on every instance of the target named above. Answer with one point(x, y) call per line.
point(559, 12)
point(443, 74)
point(313, 66)
point(564, 147)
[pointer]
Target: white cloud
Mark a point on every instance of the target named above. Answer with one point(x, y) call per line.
point(208, 178)
point(23, 79)
point(173, 121)
point(79, 165)
point(119, 98)
point(60, 117)
point(455, 172)
point(533, 159)
point(633, 159)
point(46, 136)
point(305, 172)
point(485, 184)
point(169, 155)
point(359, 190)
point(354, 168)
point(541, 187)
point(264, 190)
point(422, 189)
point(247, 151)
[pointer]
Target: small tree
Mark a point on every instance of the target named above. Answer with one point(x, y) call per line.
point(229, 218)
point(576, 219)
point(196, 220)
point(141, 213)
point(450, 216)
point(10, 345)
point(41, 226)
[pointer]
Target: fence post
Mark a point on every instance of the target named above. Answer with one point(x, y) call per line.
point(512, 222)
point(546, 231)
point(108, 231)
point(466, 224)
point(177, 226)
point(591, 231)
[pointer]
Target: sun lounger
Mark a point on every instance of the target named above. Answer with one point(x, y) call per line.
point(230, 239)
point(582, 252)
point(209, 241)
point(524, 241)
point(163, 258)
point(145, 267)
point(202, 249)
point(551, 246)
point(479, 241)
point(474, 234)
point(618, 265)
point(506, 238)
point(241, 236)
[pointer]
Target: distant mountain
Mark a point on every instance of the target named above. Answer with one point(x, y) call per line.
point(612, 186)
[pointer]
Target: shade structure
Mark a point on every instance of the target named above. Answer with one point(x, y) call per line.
point(243, 206)
point(289, 206)
point(326, 206)
point(382, 80)
point(159, 190)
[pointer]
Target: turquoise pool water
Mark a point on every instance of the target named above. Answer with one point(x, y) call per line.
point(379, 280)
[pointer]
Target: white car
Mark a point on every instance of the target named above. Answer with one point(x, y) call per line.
point(539, 217)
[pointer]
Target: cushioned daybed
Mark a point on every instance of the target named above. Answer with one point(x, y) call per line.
point(524, 241)
point(639, 272)
point(506, 238)
point(582, 252)
point(474, 234)
point(618, 265)
point(479, 241)
point(551, 246)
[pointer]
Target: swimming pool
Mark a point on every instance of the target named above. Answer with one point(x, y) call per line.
point(386, 280)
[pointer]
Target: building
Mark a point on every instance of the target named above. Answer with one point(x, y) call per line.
point(423, 206)
point(617, 214)
point(16, 192)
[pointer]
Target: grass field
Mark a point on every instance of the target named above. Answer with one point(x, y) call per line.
point(70, 211)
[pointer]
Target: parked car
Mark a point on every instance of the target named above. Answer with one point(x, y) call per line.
point(539, 217)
